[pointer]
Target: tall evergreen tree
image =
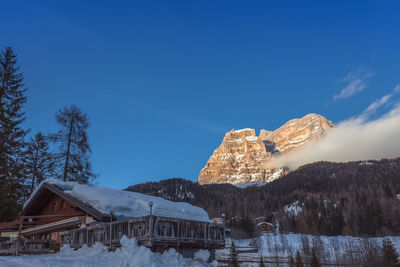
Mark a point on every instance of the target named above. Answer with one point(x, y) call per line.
point(314, 259)
point(291, 262)
point(233, 253)
point(39, 161)
point(73, 143)
point(389, 253)
point(12, 135)
point(261, 262)
point(299, 260)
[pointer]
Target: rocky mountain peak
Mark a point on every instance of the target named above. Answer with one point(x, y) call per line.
point(241, 154)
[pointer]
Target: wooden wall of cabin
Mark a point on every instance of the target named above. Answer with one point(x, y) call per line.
point(57, 206)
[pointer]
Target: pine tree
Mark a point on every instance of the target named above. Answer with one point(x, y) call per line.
point(261, 262)
point(389, 253)
point(314, 259)
point(299, 260)
point(74, 146)
point(39, 161)
point(12, 135)
point(291, 262)
point(233, 254)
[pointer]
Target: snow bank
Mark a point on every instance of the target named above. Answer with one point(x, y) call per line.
point(272, 246)
point(335, 246)
point(129, 255)
point(127, 204)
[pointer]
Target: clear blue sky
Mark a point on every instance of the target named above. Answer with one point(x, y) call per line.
point(162, 81)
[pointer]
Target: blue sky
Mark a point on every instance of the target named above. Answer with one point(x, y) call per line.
point(162, 81)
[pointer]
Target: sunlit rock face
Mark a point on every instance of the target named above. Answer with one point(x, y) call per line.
point(240, 157)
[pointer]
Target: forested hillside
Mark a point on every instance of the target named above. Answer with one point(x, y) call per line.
point(354, 198)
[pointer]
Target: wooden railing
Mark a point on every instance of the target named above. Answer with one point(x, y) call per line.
point(28, 246)
point(150, 231)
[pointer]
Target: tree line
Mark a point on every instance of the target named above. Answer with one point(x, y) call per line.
point(351, 198)
point(27, 159)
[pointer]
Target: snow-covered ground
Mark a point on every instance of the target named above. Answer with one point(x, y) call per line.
point(273, 247)
point(129, 255)
point(270, 247)
point(334, 246)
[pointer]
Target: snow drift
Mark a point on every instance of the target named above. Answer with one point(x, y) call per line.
point(129, 255)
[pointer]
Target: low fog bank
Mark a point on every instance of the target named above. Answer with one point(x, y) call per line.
point(351, 140)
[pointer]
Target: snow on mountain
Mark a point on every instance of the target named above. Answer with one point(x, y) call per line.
point(241, 156)
point(254, 183)
point(294, 208)
point(366, 163)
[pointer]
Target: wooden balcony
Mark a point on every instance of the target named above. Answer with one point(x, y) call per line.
point(151, 231)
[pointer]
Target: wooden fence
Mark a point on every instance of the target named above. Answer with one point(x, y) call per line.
point(151, 231)
point(27, 246)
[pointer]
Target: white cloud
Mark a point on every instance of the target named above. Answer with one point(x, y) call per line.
point(352, 140)
point(356, 82)
point(378, 103)
point(397, 89)
point(371, 109)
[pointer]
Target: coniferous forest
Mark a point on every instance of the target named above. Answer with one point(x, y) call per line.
point(27, 157)
point(324, 198)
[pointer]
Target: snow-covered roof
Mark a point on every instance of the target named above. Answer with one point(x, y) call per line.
point(265, 223)
point(124, 203)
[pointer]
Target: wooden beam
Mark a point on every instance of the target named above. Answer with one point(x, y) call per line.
point(9, 224)
point(48, 216)
point(20, 228)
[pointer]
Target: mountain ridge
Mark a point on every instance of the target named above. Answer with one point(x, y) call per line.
point(241, 155)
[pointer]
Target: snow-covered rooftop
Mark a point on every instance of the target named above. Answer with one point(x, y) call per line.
point(125, 203)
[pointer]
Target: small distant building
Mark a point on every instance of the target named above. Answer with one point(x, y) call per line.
point(217, 220)
point(263, 226)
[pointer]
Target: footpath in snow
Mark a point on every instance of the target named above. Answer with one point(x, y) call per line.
point(129, 255)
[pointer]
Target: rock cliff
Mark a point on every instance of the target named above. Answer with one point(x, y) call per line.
point(242, 153)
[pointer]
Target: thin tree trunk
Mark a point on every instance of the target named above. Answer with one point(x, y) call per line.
point(35, 170)
point(68, 148)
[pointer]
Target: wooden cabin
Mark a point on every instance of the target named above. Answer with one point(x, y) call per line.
point(69, 213)
point(263, 225)
point(48, 212)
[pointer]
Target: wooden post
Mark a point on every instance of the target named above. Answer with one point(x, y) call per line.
point(16, 246)
point(21, 221)
point(205, 234)
point(178, 234)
